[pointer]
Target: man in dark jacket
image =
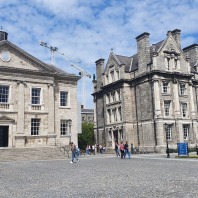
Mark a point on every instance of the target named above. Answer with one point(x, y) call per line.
point(126, 150)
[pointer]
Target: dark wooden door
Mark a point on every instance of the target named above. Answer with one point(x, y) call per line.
point(3, 136)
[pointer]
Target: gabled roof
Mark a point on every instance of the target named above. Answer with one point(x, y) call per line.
point(47, 67)
point(131, 63)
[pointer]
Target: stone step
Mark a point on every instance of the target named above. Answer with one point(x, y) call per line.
point(24, 154)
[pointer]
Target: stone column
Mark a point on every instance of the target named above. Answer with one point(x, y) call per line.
point(21, 108)
point(160, 134)
point(51, 116)
point(176, 98)
point(192, 106)
point(157, 98)
point(181, 134)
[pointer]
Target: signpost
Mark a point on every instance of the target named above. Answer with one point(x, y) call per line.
point(182, 149)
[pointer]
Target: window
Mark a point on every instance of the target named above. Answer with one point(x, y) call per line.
point(112, 76)
point(184, 109)
point(182, 89)
point(107, 79)
point(63, 98)
point(166, 108)
point(65, 127)
point(109, 115)
point(107, 99)
point(120, 113)
point(165, 87)
point(168, 132)
point(113, 96)
point(110, 135)
point(114, 115)
point(121, 135)
point(36, 96)
point(118, 75)
point(186, 131)
point(35, 126)
point(4, 94)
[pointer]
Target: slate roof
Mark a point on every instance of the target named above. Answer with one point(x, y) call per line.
point(131, 63)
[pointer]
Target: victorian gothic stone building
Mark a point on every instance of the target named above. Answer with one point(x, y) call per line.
point(38, 102)
point(136, 97)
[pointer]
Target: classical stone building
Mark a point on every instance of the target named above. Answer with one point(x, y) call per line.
point(149, 98)
point(38, 102)
point(87, 115)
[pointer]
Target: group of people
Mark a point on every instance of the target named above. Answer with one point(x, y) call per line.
point(95, 149)
point(122, 150)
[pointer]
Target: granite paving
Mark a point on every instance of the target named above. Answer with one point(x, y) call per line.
point(100, 176)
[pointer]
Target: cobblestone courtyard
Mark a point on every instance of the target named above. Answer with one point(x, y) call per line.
point(101, 176)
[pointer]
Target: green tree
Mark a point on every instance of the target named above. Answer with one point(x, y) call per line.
point(87, 135)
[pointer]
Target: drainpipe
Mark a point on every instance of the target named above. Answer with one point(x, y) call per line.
point(138, 138)
point(154, 123)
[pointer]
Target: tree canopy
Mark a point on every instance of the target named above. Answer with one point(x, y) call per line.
point(87, 135)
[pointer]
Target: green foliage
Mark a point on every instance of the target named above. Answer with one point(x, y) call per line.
point(87, 136)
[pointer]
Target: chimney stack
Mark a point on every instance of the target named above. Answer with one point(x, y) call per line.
point(99, 72)
point(143, 51)
point(176, 35)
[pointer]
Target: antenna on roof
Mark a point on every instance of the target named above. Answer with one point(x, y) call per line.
point(1, 28)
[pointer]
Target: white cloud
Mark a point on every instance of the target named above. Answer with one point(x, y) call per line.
point(87, 30)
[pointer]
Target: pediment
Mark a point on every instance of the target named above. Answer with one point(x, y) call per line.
point(112, 62)
point(7, 119)
point(169, 45)
point(19, 59)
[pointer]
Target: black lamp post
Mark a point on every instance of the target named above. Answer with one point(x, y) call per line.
point(167, 148)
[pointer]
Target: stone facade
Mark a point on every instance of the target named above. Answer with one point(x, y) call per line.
point(38, 102)
point(87, 115)
point(150, 98)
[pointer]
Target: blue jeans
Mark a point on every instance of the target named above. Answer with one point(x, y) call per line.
point(74, 156)
point(127, 152)
point(117, 152)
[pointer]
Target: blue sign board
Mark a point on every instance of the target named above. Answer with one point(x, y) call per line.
point(182, 148)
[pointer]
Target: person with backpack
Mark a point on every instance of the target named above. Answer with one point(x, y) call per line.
point(73, 150)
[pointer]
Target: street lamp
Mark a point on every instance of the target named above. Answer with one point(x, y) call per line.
point(167, 148)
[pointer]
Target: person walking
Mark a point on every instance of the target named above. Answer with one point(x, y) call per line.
point(116, 149)
point(73, 150)
point(126, 150)
point(122, 149)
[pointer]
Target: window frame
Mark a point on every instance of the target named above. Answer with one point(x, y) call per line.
point(169, 132)
point(66, 129)
point(35, 129)
point(40, 96)
point(182, 89)
point(186, 131)
point(184, 113)
point(68, 99)
point(165, 108)
point(165, 87)
point(7, 94)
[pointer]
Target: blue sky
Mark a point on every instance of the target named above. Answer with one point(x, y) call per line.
point(86, 30)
